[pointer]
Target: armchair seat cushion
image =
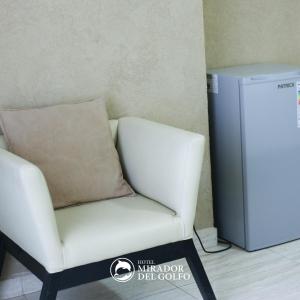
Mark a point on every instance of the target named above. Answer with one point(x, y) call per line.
point(111, 228)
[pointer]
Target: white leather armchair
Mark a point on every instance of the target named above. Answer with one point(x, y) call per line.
point(74, 245)
point(163, 163)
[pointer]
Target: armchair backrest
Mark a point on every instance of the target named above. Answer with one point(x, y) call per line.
point(113, 126)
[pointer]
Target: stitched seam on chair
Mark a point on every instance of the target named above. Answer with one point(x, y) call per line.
point(63, 254)
point(188, 150)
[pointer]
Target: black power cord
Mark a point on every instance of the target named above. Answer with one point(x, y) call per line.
point(229, 245)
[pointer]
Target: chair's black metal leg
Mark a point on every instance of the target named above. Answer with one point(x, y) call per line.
point(50, 287)
point(2, 254)
point(198, 271)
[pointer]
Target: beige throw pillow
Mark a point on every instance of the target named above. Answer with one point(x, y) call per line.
point(73, 146)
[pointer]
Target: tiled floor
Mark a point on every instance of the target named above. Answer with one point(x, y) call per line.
point(270, 274)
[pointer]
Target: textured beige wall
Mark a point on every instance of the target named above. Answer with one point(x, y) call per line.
point(145, 56)
point(245, 32)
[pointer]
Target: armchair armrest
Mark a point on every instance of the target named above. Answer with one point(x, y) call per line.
point(26, 211)
point(163, 163)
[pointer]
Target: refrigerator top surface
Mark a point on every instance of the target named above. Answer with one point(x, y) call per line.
point(259, 71)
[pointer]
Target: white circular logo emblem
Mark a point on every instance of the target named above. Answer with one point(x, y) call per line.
point(122, 269)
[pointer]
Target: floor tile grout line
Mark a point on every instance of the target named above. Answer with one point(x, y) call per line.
point(243, 268)
point(187, 293)
point(286, 257)
point(173, 288)
point(180, 288)
point(218, 277)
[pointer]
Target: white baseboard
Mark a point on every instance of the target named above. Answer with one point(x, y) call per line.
point(26, 283)
point(208, 236)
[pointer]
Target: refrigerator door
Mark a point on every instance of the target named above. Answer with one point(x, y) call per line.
point(271, 162)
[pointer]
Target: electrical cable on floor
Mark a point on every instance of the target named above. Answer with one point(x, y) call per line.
point(229, 245)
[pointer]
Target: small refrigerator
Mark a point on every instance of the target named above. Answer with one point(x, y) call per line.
point(254, 113)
